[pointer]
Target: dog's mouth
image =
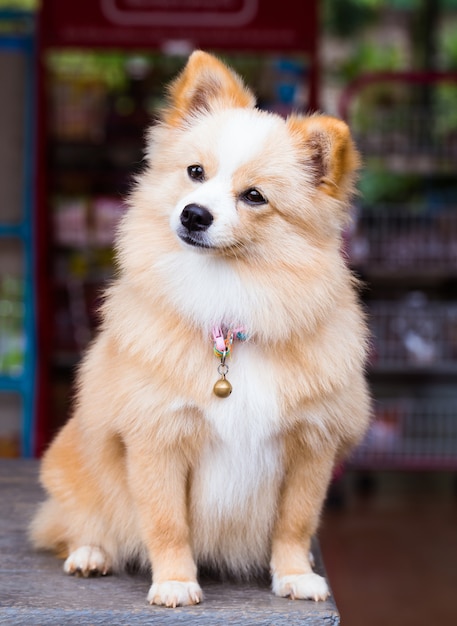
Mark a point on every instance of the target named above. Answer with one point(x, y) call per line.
point(195, 240)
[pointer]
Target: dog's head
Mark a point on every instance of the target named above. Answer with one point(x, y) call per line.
point(237, 218)
point(239, 172)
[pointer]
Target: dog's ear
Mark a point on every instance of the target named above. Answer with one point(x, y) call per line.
point(329, 153)
point(204, 83)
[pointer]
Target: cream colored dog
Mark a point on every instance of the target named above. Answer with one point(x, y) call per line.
point(230, 278)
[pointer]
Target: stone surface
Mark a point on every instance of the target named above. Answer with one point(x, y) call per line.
point(34, 591)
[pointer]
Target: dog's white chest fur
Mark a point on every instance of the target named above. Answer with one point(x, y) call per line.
point(236, 481)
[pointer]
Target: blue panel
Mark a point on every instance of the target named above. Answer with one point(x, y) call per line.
point(24, 384)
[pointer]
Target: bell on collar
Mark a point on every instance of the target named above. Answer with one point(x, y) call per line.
point(222, 388)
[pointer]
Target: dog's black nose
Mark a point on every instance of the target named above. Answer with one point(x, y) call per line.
point(196, 218)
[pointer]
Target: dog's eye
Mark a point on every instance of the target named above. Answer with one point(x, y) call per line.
point(253, 196)
point(196, 172)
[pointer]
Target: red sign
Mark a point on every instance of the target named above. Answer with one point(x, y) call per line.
point(286, 25)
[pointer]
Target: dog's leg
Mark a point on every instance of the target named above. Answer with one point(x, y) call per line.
point(308, 475)
point(158, 482)
point(83, 519)
point(49, 530)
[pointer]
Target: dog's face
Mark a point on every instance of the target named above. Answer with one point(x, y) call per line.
point(237, 206)
point(243, 176)
point(233, 183)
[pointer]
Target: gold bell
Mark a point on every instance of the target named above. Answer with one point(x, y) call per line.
point(222, 388)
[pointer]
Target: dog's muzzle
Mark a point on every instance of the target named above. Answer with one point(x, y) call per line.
point(195, 221)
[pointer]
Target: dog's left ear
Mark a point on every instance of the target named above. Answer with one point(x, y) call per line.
point(204, 82)
point(328, 152)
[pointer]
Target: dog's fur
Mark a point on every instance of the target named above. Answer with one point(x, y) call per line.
point(154, 467)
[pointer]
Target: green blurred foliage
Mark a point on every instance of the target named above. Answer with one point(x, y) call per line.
point(23, 5)
point(344, 18)
point(370, 57)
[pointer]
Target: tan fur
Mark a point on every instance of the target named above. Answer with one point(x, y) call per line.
point(186, 95)
point(129, 473)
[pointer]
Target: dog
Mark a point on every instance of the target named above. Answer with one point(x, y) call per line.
point(227, 378)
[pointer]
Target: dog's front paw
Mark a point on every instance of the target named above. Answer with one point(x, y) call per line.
point(174, 593)
point(87, 561)
point(301, 587)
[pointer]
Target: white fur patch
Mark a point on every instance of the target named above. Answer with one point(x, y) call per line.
point(243, 138)
point(87, 561)
point(301, 587)
point(239, 471)
point(208, 291)
point(244, 453)
point(173, 593)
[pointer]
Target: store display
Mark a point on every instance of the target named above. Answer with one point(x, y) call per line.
point(404, 245)
point(395, 238)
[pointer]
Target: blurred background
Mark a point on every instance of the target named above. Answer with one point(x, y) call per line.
point(79, 84)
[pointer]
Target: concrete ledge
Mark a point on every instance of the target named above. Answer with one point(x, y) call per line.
point(34, 591)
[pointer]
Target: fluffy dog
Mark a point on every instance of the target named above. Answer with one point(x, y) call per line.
point(230, 277)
